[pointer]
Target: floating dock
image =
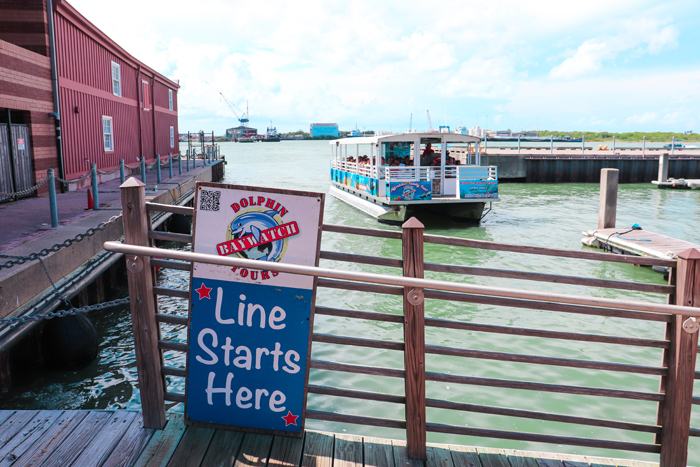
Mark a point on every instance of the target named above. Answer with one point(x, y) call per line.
point(88, 438)
point(678, 184)
point(624, 240)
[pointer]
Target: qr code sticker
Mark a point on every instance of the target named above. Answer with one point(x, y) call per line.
point(209, 200)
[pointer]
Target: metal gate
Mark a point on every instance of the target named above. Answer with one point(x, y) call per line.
point(15, 160)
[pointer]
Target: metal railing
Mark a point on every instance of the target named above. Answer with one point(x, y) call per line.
point(671, 428)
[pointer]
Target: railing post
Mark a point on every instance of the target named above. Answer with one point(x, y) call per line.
point(143, 170)
point(149, 358)
point(95, 195)
point(122, 175)
point(682, 355)
point(170, 167)
point(414, 340)
point(158, 176)
point(52, 198)
point(179, 163)
point(607, 211)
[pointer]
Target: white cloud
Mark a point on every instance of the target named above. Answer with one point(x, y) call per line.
point(497, 118)
point(646, 117)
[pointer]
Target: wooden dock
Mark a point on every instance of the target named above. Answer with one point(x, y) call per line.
point(623, 240)
point(85, 438)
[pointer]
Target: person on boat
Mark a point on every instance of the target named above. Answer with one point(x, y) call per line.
point(428, 155)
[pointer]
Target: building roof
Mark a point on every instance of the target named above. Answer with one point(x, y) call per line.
point(435, 138)
point(324, 124)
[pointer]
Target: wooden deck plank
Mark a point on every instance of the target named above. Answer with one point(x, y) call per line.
point(14, 425)
point(401, 455)
point(439, 456)
point(491, 457)
point(51, 439)
point(132, 444)
point(286, 452)
point(104, 442)
point(519, 458)
point(32, 431)
point(192, 448)
point(464, 456)
point(600, 462)
point(318, 449)
point(163, 443)
point(378, 452)
point(223, 449)
point(643, 242)
point(72, 446)
point(349, 451)
point(5, 414)
point(255, 450)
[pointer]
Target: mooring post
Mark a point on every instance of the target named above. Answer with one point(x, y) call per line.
point(607, 212)
point(414, 340)
point(122, 175)
point(170, 166)
point(613, 145)
point(682, 355)
point(188, 159)
point(143, 170)
point(158, 176)
point(583, 144)
point(644, 145)
point(518, 144)
point(551, 144)
point(179, 163)
point(53, 207)
point(149, 358)
point(95, 196)
point(663, 167)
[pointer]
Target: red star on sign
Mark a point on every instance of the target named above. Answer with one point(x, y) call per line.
point(290, 419)
point(203, 291)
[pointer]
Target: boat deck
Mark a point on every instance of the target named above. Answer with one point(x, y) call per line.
point(117, 438)
point(637, 242)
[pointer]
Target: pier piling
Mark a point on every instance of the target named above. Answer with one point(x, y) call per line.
point(143, 170)
point(608, 198)
point(158, 168)
point(122, 175)
point(170, 165)
point(663, 167)
point(179, 163)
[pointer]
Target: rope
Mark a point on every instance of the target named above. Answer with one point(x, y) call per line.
point(77, 180)
point(26, 191)
point(108, 173)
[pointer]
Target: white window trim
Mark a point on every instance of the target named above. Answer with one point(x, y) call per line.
point(170, 99)
point(119, 72)
point(111, 134)
point(150, 91)
point(172, 136)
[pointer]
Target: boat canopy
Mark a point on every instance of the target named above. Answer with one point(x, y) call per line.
point(424, 138)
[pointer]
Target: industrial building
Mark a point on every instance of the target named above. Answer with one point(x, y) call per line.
point(239, 131)
point(324, 129)
point(71, 96)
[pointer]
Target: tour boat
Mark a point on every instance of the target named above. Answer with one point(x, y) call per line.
point(361, 176)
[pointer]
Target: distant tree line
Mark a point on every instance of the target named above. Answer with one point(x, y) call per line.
point(635, 136)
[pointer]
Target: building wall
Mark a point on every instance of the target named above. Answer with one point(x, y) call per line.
point(325, 130)
point(84, 55)
point(23, 23)
point(25, 85)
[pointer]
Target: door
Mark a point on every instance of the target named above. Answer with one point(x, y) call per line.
point(15, 160)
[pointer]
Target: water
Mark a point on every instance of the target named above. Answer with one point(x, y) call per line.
point(531, 214)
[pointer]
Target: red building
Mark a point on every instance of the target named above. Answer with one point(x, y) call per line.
point(109, 105)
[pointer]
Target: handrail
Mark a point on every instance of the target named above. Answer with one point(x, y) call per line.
point(402, 281)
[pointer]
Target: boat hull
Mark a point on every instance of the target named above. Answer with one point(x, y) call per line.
point(468, 211)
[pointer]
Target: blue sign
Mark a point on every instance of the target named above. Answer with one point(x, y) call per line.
point(409, 191)
point(247, 356)
point(358, 182)
point(469, 189)
point(249, 328)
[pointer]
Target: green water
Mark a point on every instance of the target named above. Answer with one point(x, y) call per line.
point(541, 215)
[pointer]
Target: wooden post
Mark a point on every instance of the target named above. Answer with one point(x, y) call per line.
point(414, 339)
point(663, 167)
point(682, 355)
point(607, 212)
point(149, 358)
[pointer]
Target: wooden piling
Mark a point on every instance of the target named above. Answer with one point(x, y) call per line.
point(414, 340)
point(663, 167)
point(149, 358)
point(608, 198)
point(682, 355)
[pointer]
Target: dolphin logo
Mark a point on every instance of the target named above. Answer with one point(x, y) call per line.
point(254, 223)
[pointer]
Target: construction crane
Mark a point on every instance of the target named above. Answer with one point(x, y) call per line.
point(430, 123)
point(243, 117)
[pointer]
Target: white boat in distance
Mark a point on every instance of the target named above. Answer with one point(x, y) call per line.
point(364, 174)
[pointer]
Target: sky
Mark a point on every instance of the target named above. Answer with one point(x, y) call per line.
point(598, 65)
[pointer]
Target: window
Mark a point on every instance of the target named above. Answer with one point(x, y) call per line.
point(116, 79)
point(170, 99)
point(172, 136)
point(146, 96)
point(107, 133)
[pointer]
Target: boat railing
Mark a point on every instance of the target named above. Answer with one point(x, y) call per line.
point(629, 334)
point(407, 173)
point(475, 172)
